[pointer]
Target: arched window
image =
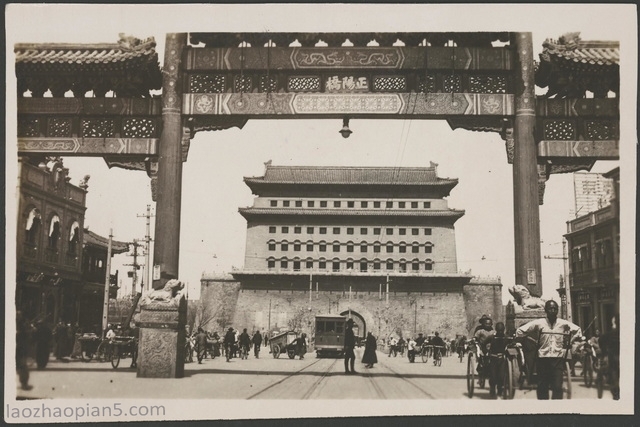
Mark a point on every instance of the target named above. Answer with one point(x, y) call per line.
point(54, 231)
point(428, 264)
point(364, 265)
point(402, 264)
point(415, 247)
point(363, 247)
point(335, 264)
point(309, 263)
point(376, 264)
point(271, 263)
point(428, 248)
point(415, 265)
point(389, 265)
point(33, 226)
point(296, 264)
point(402, 247)
point(74, 238)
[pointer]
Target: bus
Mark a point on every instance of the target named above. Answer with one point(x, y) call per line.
point(329, 338)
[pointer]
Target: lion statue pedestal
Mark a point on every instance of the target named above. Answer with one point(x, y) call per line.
point(162, 319)
point(525, 309)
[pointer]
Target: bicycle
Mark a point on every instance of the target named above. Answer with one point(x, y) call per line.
point(437, 355)
point(105, 351)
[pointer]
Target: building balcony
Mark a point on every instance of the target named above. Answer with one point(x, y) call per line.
point(29, 250)
point(51, 255)
point(593, 218)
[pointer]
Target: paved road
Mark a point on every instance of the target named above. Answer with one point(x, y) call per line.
point(269, 378)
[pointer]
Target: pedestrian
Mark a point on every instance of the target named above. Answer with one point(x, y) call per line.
point(301, 345)
point(201, 344)
point(411, 350)
point(550, 333)
point(349, 345)
point(370, 356)
point(76, 353)
point(610, 347)
point(257, 342)
point(215, 338)
point(496, 347)
point(43, 344)
point(23, 333)
point(61, 341)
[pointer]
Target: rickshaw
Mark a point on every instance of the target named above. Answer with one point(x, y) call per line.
point(124, 347)
point(89, 344)
point(283, 343)
point(475, 358)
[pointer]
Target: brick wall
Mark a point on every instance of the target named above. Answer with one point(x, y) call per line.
point(483, 296)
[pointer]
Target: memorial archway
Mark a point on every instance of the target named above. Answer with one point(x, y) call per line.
point(215, 81)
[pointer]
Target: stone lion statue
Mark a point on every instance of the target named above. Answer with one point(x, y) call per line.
point(171, 293)
point(524, 299)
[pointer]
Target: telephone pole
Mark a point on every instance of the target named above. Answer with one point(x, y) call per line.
point(134, 271)
point(147, 262)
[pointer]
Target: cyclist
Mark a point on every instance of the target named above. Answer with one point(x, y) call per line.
point(229, 343)
point(549, 332)
point(244, 340)
point(436, 341)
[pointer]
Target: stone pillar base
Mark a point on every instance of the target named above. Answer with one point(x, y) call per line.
point(162, 340)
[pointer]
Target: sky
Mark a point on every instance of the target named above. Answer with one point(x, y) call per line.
point(213, 233)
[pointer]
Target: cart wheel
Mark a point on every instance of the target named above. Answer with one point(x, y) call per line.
point(101, 352)
point(587, 371)
point(471, 374)
point(276, 351)
point(508, 390)
point(425, 356)
point(566, 386)
point(291, 354)
point(115, 359)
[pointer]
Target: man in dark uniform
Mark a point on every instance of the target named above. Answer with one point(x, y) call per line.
point(257, 341)
point(245, 342)
point(229, 342)
point(496, 345)
point(349, 345)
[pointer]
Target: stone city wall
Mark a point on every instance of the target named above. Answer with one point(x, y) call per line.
point(449, 313)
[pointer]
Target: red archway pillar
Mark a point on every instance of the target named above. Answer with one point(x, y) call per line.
point(166, 251)
point(525, 174)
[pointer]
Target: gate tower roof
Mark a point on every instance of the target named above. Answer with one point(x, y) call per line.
point(350, 175)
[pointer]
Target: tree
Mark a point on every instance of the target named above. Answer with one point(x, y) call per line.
point(200, 313)
point(296, 322)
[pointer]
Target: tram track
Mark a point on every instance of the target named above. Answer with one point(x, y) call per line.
point(414, 385)
point(311, 389)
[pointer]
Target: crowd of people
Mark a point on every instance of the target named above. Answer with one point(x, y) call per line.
point(234, 344)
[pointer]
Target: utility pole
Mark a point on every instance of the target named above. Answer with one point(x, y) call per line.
point(107, 282)
point(147, 262)
point(566, 280)
point(134, 272)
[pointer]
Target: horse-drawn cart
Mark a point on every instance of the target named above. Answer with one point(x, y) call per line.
point(283, 343)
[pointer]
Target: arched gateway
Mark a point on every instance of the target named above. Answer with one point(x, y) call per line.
point(221, 80)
